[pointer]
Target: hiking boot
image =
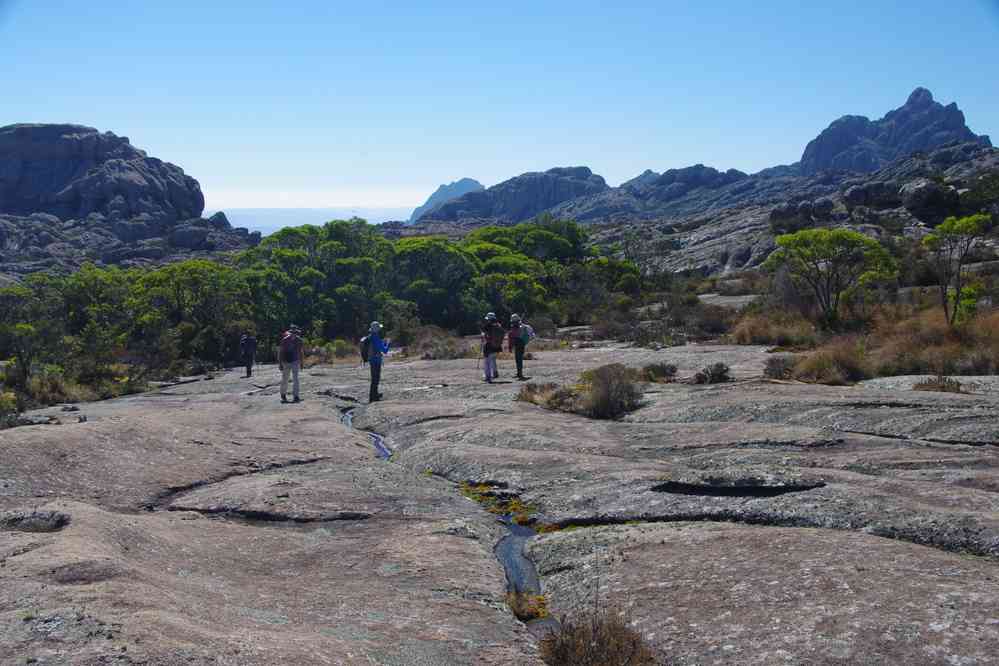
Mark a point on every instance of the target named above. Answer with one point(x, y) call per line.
point(296, 399)
point(284, 399)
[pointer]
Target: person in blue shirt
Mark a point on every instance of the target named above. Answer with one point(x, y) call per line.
point(377, 348)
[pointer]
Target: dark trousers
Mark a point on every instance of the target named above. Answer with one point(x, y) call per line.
point(518, 356)
point(376, 377)
point(248, 362)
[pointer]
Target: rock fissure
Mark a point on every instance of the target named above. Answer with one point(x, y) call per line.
point(734, 489)
point(170, 494)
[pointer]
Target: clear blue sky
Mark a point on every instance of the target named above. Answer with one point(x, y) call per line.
point(308, 103)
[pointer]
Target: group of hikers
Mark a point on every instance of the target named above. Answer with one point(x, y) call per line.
point(291, 352)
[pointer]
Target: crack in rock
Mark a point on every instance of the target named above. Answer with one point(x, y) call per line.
point(169, 494)
point(734, 489)
point(261, 516)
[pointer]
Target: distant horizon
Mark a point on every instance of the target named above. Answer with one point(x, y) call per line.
point(341, 105)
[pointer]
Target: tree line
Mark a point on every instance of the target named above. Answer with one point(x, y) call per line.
point(331, 280)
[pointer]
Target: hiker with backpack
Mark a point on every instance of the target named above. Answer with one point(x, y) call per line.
point(492, 344)
point(248, 351)
point(372, 350)
point(290, 354)
point(520, 334)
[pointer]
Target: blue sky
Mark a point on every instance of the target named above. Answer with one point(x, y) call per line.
point(322, 104)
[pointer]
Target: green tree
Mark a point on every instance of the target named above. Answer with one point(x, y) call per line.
point(950, 246)
point(831, 263)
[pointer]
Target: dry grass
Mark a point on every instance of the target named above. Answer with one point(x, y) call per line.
point(602, 639)
point(432, 343)
point(838, 364)
point(775, 329)
point(939, 383)
point(607, 392)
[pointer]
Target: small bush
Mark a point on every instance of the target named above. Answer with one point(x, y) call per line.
point(611, 392)
point(341, 348)
point(432, 343)
point(607, 392)
point(8, 409)
point(939, 383)
point(779, 330)
point(663, 373)
point(602, 639)
point(780, 366)
point(837, 364)
point(716, 373)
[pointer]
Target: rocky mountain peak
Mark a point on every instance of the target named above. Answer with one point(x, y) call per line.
point(522, 197)
point(446, 193)
point(856, 143)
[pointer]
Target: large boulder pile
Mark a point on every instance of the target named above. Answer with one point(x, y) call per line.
point(71, 171)
point(70, 194)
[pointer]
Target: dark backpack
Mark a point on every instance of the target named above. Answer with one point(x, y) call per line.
point(495, 336)
point(289, 348)
point(365, 348)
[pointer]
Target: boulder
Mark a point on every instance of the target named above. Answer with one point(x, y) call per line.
point(805, 209)
point(822, 208)
point(926, 198)
point(220, 222)
point(189, 236)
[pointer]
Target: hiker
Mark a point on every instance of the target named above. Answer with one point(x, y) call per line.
point(290, 353)
point(492, 344)
point(372, 349)
point(520, 334)
point(248, 351)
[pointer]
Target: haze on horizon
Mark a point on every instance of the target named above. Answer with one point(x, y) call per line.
point(335, 105)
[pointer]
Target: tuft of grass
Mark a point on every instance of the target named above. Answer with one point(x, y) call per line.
point(782, 330)
point(498, 503)
point(527, 606)
point(780, 366)
point(603, 638)
point(838, 364)
point(939, 383)
point(607, 392)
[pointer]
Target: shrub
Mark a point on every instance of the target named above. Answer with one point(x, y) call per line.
point(837, 364)
point(611, 392)
point(939, 383)
point(780, 366)
point(607, 392)
point(780, 330)
point(8, 409)
point(664, 373)
point(716, 373)
point(341, 348)
point(602, 639)
point(432, 343)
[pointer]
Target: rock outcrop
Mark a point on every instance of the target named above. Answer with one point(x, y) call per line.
point(523, 197)
point(446, 193)
point(855, 143)
point(70, 194)
point(71, 171)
